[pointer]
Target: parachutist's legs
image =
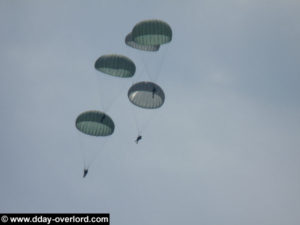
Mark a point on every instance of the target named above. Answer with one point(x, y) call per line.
point(138, 139)
point(85, 172)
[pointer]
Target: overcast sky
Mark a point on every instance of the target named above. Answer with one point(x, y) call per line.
point(222, 150)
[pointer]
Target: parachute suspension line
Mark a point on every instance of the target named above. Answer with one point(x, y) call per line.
point(100, 95)
point(146, 68)
point(113, 99)
point(146, 124)
point(134, 115)
point(85, 166)
point(140, 56)
point(83, 155)
point(89, 164)
point(142, 126)
point(160, 65)
point(154, 77)
point(116, 97)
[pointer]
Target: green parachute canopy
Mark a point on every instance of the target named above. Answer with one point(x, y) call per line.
point(146, 95)
point(95, 123)
point(116, 65)
point(152, 32)
point(130, 42)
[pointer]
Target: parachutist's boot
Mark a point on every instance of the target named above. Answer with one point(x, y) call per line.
point(138, 138)
point(85, 172)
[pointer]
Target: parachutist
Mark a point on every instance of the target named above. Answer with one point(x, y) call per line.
point(153, 92)
point(85, 172)
point(138, 139)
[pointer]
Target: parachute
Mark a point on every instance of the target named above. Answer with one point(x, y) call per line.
point(152, 32)
point(148, 36)
point(95, 123)
point(146, 95)
point(116, 65)
point(129, 41)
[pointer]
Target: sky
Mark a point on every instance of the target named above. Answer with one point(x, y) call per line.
point(222, 150)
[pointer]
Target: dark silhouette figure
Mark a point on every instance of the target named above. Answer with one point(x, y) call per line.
point(153, 92)
point(85, 172)
point(138, 139)
point(102, 118)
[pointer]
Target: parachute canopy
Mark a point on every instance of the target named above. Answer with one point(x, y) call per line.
point(95, 123)
point(146, 95)
point(152, 32)
point(129, 41)
point(116, 65)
